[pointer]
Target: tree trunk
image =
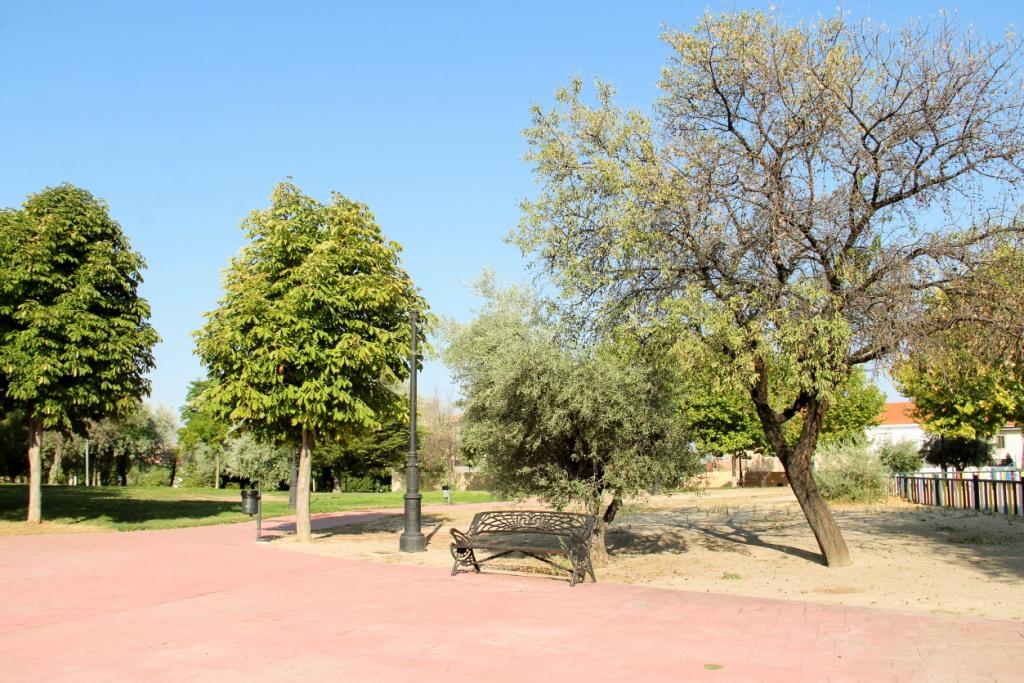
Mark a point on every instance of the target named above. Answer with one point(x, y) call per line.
point(174, 470)
point(302, 524)
point(819, 517)
point(796, 460)
point(57, 469)
point(216, 469)
point(598, 545)
point(35, 471)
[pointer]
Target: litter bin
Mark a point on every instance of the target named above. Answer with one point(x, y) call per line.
point(446, 493)
point(250, 502)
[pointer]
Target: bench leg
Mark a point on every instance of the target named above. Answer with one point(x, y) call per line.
point(463, 558)
point(581, 567)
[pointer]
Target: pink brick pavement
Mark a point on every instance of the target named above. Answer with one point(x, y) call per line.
point(210, 604)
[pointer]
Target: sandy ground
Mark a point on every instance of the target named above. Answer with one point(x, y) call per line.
point(757, 543)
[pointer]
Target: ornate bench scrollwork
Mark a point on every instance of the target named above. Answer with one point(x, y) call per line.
point(535, 533)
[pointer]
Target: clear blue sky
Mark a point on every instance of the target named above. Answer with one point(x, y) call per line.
point(183, 115)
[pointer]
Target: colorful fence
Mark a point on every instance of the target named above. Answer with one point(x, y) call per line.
point(962, 491)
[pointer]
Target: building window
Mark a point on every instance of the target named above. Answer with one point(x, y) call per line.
point(1000, 441)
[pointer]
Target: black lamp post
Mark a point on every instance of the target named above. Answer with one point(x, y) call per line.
point(412, 539)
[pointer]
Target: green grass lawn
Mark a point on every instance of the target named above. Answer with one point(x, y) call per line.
point(135, 507)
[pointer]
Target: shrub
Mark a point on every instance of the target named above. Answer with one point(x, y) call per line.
point(901, 456)
point(849, 473)
point(149, 476)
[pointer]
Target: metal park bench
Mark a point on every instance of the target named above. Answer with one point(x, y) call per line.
point(538, 534)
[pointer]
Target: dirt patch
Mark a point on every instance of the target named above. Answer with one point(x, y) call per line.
point(757, 543)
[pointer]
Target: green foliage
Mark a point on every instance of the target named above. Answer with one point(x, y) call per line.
point(148, 476)
point(199, 467)
point(849, 473)
point(248, 459)
point(313, 329)
point(967, 376)
point(365, 460)
point(856, 405)
point(555, 419)
point(957, 451)
point(13, 437)
point(900, 457)
point(199, 426)
point(141, 438)
point(75, 342)
point(721, 420)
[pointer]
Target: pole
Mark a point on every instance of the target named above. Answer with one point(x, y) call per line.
point(259, 511)
point(88, 482)
point(412, 539)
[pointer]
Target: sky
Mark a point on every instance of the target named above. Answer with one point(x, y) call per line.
point(184, 115)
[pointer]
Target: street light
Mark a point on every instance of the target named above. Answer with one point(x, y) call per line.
point(412, 539)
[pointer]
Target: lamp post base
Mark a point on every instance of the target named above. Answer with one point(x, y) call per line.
point(412, 543)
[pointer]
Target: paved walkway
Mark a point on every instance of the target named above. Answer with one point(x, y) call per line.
point(210, 604)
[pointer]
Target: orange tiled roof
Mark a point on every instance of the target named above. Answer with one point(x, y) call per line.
point(897, 413)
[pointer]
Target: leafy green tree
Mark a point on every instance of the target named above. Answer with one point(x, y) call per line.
point(366, 458)
point(772, 209)
point(75, 341)
point(967, 377)
point(202, 432)
point(592, 426)
point(957, 451)
point(722, 421)
point(311, 334)
point(255, 461)
point(900, 457)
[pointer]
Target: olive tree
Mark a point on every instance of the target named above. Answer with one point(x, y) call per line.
point(75, 341)
point(310, 337)
point(572, 423)
point(774, 207)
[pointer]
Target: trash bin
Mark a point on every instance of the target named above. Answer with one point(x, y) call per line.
point(250, 502)
point(446, 493)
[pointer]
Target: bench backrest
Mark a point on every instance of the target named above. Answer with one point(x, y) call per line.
point(533, 521)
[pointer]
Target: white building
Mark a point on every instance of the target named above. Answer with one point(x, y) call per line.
point(896, 424)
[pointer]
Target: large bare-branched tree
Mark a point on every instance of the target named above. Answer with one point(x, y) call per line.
point(790, 206)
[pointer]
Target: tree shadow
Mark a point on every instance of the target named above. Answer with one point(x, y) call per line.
point(389, 524)
point(990, 544)
point(745, 537)
point(108, 506)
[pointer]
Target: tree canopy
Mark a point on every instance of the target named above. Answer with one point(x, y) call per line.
point(774, 207)
point(75, 341)
point(311, 335)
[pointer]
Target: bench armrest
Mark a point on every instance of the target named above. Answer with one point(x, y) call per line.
point(461, 539)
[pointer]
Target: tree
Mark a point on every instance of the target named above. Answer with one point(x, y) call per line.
point(441, 442)
point(722, 420)
point(957, 451)
point(311, 334)
point(772, 209)
point(75, 341)
point(366, 459)
point(571, 423)
point(202, 430)
point(255, 461)
point(967, 377)
point(900, 457)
